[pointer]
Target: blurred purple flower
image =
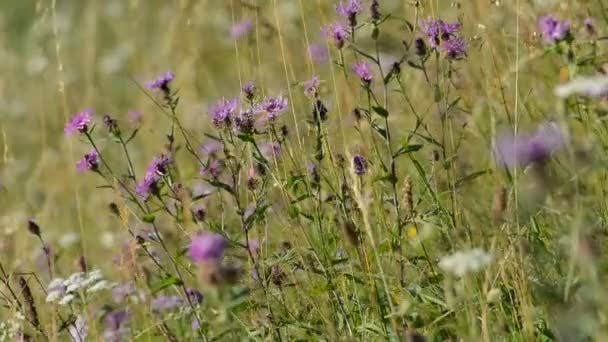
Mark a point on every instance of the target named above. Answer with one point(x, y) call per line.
point(363, 71)
point(254, 247)
point(374, 10)
point(78, 331)
point(212, 147)
point(454, 48)
point(194, 296)
point(222, 111)
point(311, 87)
point(338, 33)
point(207, 247)
point(525, 149)
point(214, 168)
point(273, 106)
point(241, 28)
point(552, 29)
point(165, 303)
point(121, 292)
point(252, 179)
point(249, 90)
point(349, 10)
point(359, 165)
point(115, 322)
point(79, 123)
point(135, 117)
point(147, 186)
point(437, 30)
point(318, 53)
point(199, 213)
point(161, 82)
point(159, 165)
point(590, 26)
point(271, 149)
point(90, 161)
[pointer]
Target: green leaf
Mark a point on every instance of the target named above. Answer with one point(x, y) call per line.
point(406, 148)
point(380, 130)
point(169, 281)
point(471, 177)
point(246, 137)
point(381, 111)
point(150, 218)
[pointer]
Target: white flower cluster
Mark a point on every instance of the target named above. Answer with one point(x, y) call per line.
point(10, 329)
point(63, 291)
point(463, 262)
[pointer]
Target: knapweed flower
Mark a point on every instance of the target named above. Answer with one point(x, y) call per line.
point(254, 247)
point(222, 111)
point(318, 53)
point(147, 186)
point(311, 87)
point(359, 165)
point(158, 168)
point(437, 30)
point(465, 262)
point(273, 106)
point(594, 86)
point(244, 123)
point(90, 161)
point(374, 10)
point(161, 82)
point(271, 150)
point(165, 303)
point(115, 326)
point(249, 90)
point(123, 291)
point(552, 29)
point(207, 247)
point(213, 169)
point(110, 123)
point(160, 165)
point(420, 47)
point(589, 26)
point(363, 71)
point(199, 213)
point(212, 148)
point(525, 149)
point(349, 10)
point(454, 48)
point(241, 29)
point(194, 296)
point(252, 179)
point(79, 123)
point(338, 33)
point(135, 117)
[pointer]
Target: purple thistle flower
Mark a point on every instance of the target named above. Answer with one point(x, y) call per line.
point(552, 29)
point(90, 161)
point(273, 106)
point(437, 30)
point(212, 147)
point(194, 296)
point(271, 149)
point(311, 87)
point(363, 71)
point(161, 82)
point(207, 247)
point(199, 213)
point(420, 47)
point(254, 247)
point(359, 165)
point(249, 90)
point(338, 33)
point(349, 10)
point(318, 53)
point(525, 149)
point(121, 292)
point(115, 326)
point(214, 169)
point(244, 122)
point(241, 28)
point(221, 113)
point(147, 186)
point(455, 48)
point(79, 123)
point(374, 10)
point(159, 165)
point(590, 26)
point(165, 303)
point(78, 331)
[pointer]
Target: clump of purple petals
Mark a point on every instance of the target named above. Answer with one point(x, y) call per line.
point(318, 53)
point(90, 161)
point(212, 147)
point(273, 106)
point(213, 169)
point(79, 123)
point(363, 71)
point(359, 165)
point(349, 10)
point(161, 82)
point(271, 149)
point(158, 168)
point(338, 33)
point(115, 323)
point(455, 48)
point(590, 26)
point(166, 303)
point(194, 296)
point(121, 292)
point(526, 149)
point(311, 87)
point(552, 29)
point(249, 90)
point(207, 247)
point(222, 111)
point(437, 30)
point(241, 29)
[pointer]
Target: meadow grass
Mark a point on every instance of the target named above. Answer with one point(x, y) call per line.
point(385, 176)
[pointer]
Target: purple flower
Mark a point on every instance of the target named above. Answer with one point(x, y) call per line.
point(135, 117)
point(161, 82)
point(194, 296)
point(147, 186)
point(338, 33)
point(241, 28)
point(207, 247)
point(252, 179)
point(271, 150)
point(363, 71)
point(273, 106)
point(420, 47)
point(590, 26)
point(359, 165)
point(311, 87)
point(90, 161)
point(165, 303)
point(525, 149)
point(244, 122)
point(249, 90)
point(199, 213)
point(349, 10)
point(552, 29)
point(374, 10)
point(78, 331)
point(212, 147)
point(214, 168)
point(318, 53)
point(254, 247)
point(437, 30)
point(221, 113)
point(121, 292)
point(455, 48)
point(79, 123)
point(115, 326)
point(159, 165)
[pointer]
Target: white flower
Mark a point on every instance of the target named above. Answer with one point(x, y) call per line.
point(56, 283)
point(54, 295)
point(101, 285)
point(588, 86)
point(66, 299)
point(92, 277)
point(463, 262)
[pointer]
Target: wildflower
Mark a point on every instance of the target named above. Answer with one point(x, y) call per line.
point(311, 87)
point(590, 26)
point(207, 247)
point(115, 322)
point(194, 296)
point(110, 123)
point(212, 147)
point(135, 117)
point(121, 292)
point(552, 29)
point(273, 106)
point(33, 227)
point(437, 30)
point(249, 90)
point(349, 10)
point(222, 112)
point(455, 48)
point(79, 123)
point(374, 10)
point(523, 150)
point(158, 168)
point(213, 169)
point(78, 330)
point(244, 122)
point(199, 213)
point(464, 262)
point(313, 172)
point(90, 161)
point(252, 179)
point(166, 303)
point(318, 53)
point(147, 186)
point(363, 71)
point(254, 247)
point(420, 47)
point(594, 86)
point(359, 165)
point(271, 150)
point(241, 29)
point(67, 299)
point(162, 82)
point(338, 33)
